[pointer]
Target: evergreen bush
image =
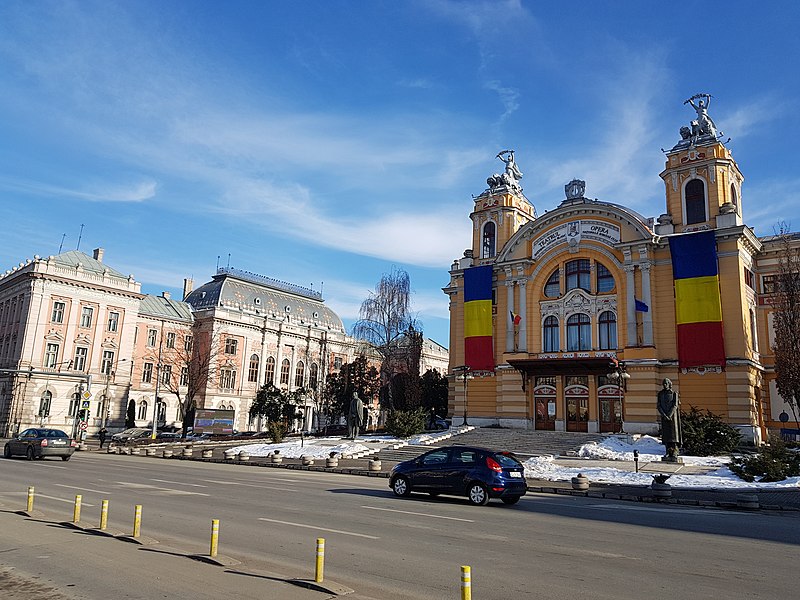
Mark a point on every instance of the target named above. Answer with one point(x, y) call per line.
point(277, 431)
point(405, 423)
point(774, 462)
point(706, 434)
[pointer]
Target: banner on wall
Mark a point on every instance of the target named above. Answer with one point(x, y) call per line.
point(698, 306)
point(478, 346)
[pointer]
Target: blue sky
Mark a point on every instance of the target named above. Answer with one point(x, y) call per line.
point(331, 141)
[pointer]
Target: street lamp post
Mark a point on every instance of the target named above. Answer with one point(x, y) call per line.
point(464, 371)
point(619, 376)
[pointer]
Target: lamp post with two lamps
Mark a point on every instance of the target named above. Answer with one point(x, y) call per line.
point(465, 372)
point(620, 376)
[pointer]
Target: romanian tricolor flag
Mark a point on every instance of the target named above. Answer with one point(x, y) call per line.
point(698, 308)
point(478, 347)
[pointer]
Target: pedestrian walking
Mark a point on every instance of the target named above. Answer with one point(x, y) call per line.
point(102, 433)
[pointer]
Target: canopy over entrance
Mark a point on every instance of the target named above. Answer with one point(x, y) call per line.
point(547, 367)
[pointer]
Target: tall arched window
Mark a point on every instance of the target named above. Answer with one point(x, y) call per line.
point(605, 280)
point(579, 333)
point(579, 274)
point(607, 330)
point(313, 376)
point(734, 196)
point(695, 195)
point(489, 239)
point(550, 337)
point(299, 374)
point(552, 289)
point(142, 414)
point(44, 403)
point(252, 372)
point(285, 368)
point(269, 371)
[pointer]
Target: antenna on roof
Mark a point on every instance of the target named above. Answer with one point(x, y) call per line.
point(61, 245)
point(321, 286)
point(217, 262)
point(228, 266)
point(80, 235)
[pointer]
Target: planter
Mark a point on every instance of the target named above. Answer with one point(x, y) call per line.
point(243, 456)
point(331, 462)
point(208, 453)
point(581, 482)
point(111, 450)
point(306, 461)
point(661, 490)
point(229, 454)
point(150, 452)
point(187, 452)
point(748, 501)
point(136, 451)
point(374, 465)
point(276, 459)
point(167, 453)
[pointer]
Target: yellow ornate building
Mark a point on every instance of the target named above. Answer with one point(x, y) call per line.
point(584, 317)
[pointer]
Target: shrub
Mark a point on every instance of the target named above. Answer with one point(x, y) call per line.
point(277, 431)
point(774, 462)
point(405, 423)
point(706, 434)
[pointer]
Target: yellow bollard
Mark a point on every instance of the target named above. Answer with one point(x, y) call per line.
point(214, 537)
point(30, 499)
point(76, 513)
point(104, 515)
point(320, 570)
point(137, 521)
point(466, 583)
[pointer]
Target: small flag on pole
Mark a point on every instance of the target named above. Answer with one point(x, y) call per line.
point(641, 306)
point(515, 318)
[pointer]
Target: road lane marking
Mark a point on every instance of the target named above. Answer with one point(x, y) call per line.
point(38, 495)
point(166, 491)
point(263, 487)
point(75, 487)
point(419, 514)
point(362, 535)
point(179, 483)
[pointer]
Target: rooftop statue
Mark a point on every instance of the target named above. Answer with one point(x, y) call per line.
point(703, 125)
point(512, 174)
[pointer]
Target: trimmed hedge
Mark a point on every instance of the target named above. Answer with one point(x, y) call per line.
point(405, 423)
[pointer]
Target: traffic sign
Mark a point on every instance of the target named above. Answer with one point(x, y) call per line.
point(83, 425)
point(87, 395)
point(85, 404)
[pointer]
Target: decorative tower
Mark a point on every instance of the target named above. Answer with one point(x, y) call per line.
point(703, 182)
point(499, 211)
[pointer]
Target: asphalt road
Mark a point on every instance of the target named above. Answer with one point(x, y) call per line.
point(385, 547)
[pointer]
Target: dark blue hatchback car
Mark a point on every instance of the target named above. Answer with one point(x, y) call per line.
point(477, 473)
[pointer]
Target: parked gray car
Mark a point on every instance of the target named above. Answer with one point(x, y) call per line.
point(39, 443)
point(128, 435)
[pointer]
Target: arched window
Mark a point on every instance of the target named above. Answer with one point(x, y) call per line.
point(313, 376)
point(142, 414)
point(252, 372)
point(162, 411)
point(552, 289)
point(695, 195)
point(608, 330)
point(489, 237)
point(550, 338)
point(579, 333)
point(753, 330)
point(285, 366)
point(269, 370)
point(44, 403)
point(605, 280)
point(734, 196)
point(299, 374)
point(579, 274)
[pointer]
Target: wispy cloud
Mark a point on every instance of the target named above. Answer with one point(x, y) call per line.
point(135, 192)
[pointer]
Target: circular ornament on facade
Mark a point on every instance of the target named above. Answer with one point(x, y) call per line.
point(287, 308)
point(315, 315)
point(257, 301)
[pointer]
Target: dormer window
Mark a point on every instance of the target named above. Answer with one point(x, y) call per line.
point(488, 249)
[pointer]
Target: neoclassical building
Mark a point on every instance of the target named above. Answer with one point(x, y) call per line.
point(570, 320)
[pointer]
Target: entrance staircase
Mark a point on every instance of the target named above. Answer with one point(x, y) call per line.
point(525, 443)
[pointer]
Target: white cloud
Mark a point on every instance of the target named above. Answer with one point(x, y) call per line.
point(134, 192)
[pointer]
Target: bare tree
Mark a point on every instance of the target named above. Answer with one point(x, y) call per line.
point(384, 318)
point(786, 315)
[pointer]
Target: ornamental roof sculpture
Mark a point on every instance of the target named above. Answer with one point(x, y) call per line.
point(702, 129)
point(510, 177)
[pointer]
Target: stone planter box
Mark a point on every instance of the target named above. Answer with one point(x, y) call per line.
point(331, 462)
point(243, 456)
point(207, 453)
point(150, 452)
point(228, 454)
point(374, 465)
point(167, 453)
point(306, 460)
point(581, 482)
point(186, 453)
point(276, 459)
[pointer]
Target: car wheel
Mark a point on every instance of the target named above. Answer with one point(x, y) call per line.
point(400, 486)
point(510, 500)
point(7, 451)
point(29, 453)
point(478, 494)
point(65, 458)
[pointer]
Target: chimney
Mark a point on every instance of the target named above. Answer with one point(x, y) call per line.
point(166, 295)
point(188, 286)
point(98, 254)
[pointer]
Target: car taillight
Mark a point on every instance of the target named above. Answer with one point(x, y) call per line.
point(493, 464)
point(43, 443)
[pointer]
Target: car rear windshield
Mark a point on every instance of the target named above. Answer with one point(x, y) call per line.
point(52, 433)
point(507, 461)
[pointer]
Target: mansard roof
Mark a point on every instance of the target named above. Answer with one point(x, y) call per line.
point(165, 308)
point(73, 258)
point(257, 294)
